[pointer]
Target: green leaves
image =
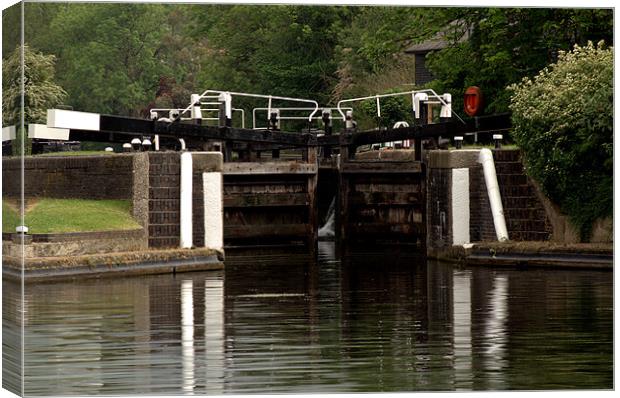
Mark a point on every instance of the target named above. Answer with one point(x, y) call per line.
point(563, 121)
point(40, 90)
point(124, 58)
point(507, 44)
point(284, 50)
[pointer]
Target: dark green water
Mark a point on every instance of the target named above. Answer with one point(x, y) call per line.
point(281, 324)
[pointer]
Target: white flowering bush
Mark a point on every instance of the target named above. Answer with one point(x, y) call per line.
point(563, 122)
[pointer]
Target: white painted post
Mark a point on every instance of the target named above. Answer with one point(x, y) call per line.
point(9, 133)
point(460, 206)
point(495, 199)
point(186, 200)
point(446, 110)
point(419, 97)
point(226, 98)
point(213, 210)
point(63, 119)
point(156, 142)
point(43, 132)
point(196, 112)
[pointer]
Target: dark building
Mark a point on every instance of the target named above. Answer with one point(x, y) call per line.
point(455, 32)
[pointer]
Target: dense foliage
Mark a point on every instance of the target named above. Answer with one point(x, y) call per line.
point(124, 58)
point(563, 121)
point(506, 44)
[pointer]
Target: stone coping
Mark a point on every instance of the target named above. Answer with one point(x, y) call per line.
point(531, 254)
point(113, 264)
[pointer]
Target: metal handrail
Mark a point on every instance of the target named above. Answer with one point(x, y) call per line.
point(202, 109)
point(288, 117)
point(268, 97)
point(379, 96)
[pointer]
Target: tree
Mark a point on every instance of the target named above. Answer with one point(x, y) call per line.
point(371, 44)
point(108, 55)
point(282, 50)
point(563, 121)
point(507, 44)
point(40, 90)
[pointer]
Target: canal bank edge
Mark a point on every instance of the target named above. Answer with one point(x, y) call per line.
point(113, 264)
point(530, 254)
point(129, 252)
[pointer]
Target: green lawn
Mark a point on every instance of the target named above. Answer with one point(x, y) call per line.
point(10, 217)
point(70, 215)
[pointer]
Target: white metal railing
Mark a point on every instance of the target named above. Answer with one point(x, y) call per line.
point(444, 100)
point(182, 111)
point(281, 117)
point(226, 97)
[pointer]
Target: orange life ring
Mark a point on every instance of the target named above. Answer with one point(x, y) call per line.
point(473, 101)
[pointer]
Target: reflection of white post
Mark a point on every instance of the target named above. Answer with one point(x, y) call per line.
point(461, 295)
point(186, 200)
point(187, 335)
point(214, 334)
point(495, 331)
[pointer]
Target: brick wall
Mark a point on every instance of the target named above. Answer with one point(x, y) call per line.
point(81, 177)
point(164, 216)
point(481, 227)
point(526, 218)
point(164, 199)
point(525, 215)
point(422, 74)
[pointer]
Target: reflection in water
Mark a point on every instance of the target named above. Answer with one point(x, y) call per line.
point(187, 334)
point(12, 305)
point(462, 329)
point(495, 331)
point(383, 322)
point(214, 334)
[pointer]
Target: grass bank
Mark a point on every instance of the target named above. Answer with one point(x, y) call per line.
point(47, 215)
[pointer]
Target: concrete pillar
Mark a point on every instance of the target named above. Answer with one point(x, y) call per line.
point(187, 237)
point(209, 165)
point(460, 206)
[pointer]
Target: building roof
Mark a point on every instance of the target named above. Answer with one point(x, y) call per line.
point(455, 32)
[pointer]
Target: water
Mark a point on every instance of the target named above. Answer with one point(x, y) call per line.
point(328, 229)
point(276, 324)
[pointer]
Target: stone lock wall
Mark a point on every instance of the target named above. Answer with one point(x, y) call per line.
point(164, 197)
point(525, 215)
point(151, 180)
point(81, 177)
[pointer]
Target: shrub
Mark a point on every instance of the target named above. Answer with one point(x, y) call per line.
point(563, 121)
point(393, 109)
